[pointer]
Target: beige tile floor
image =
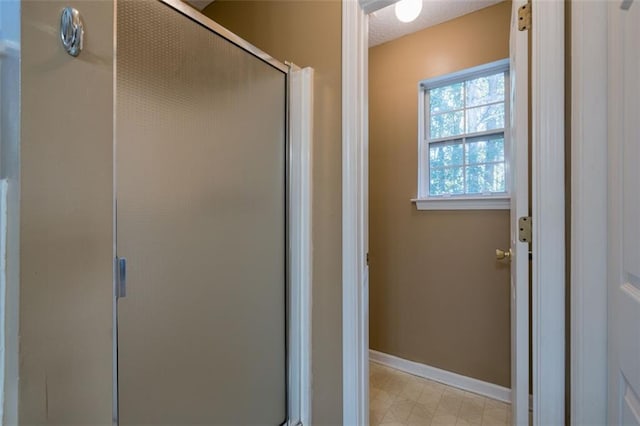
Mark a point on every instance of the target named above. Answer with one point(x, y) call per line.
point(400, 399)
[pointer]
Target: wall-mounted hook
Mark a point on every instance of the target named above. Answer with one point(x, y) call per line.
point(626, 4)
point(71, 31)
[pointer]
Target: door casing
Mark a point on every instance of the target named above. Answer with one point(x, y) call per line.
point(548, 202)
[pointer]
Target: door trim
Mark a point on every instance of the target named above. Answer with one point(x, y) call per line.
point(548, 196)
point(548, 210)
point(355, 294)
point(589, 213)
point(300, 118)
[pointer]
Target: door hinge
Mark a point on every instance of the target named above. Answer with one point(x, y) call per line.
point(524, 17)
point(524, 229)
point(121, 277)
point(367, 259)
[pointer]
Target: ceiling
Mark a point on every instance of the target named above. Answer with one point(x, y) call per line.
point(384, 26)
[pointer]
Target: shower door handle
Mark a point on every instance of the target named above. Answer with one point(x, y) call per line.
point(121, 277)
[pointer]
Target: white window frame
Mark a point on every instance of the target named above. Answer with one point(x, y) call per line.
point(424, 201)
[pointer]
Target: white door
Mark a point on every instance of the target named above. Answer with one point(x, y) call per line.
point(624, 213)
point(519, 141)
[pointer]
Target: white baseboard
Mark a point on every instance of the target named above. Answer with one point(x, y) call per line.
point(445, 377)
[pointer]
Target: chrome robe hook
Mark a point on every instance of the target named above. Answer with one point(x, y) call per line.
point(71, 31)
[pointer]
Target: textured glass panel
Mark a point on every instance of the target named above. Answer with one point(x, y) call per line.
point(485, 150)
point(485, 118)
point(201, 220)
point(447, 181)
point(485, 90)
point(446, 98)
point(447, 124)
point(446, 154)
point(485, 178)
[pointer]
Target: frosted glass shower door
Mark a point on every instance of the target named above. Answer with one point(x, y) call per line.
point(201, 184)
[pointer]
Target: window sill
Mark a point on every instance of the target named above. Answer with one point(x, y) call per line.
point(466, 203)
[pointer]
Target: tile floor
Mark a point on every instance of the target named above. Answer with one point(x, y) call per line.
point(400, 399)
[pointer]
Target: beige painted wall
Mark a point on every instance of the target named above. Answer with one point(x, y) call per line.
point(66, 218)
point(308, 33)
point(437, 294)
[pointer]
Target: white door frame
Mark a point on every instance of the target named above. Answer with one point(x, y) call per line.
point(589, 69)
point(355, 160)
point(300, 243)
point(548, 210)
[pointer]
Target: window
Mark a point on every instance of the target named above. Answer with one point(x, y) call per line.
point(463, 139)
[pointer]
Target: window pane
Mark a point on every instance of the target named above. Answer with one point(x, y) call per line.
point(485, 149)
point(446, 98)
point(446, 154)
point(447, 124)
point(485, 90)
point(485, 178)
point(436, 181)
point(447, 181)
point(484, 118)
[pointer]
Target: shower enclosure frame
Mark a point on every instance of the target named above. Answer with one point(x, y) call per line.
point(299, 131)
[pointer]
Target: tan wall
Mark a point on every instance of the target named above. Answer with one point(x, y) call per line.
point(308, 33)
point(437, 294)
point(66, 218)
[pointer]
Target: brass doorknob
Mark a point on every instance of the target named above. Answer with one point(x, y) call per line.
point(501, 254)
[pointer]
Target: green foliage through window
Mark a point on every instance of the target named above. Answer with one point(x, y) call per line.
point(466, 122)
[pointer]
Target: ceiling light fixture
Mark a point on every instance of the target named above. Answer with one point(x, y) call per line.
point(408, 10)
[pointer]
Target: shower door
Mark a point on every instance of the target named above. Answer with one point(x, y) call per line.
point(200, 201)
